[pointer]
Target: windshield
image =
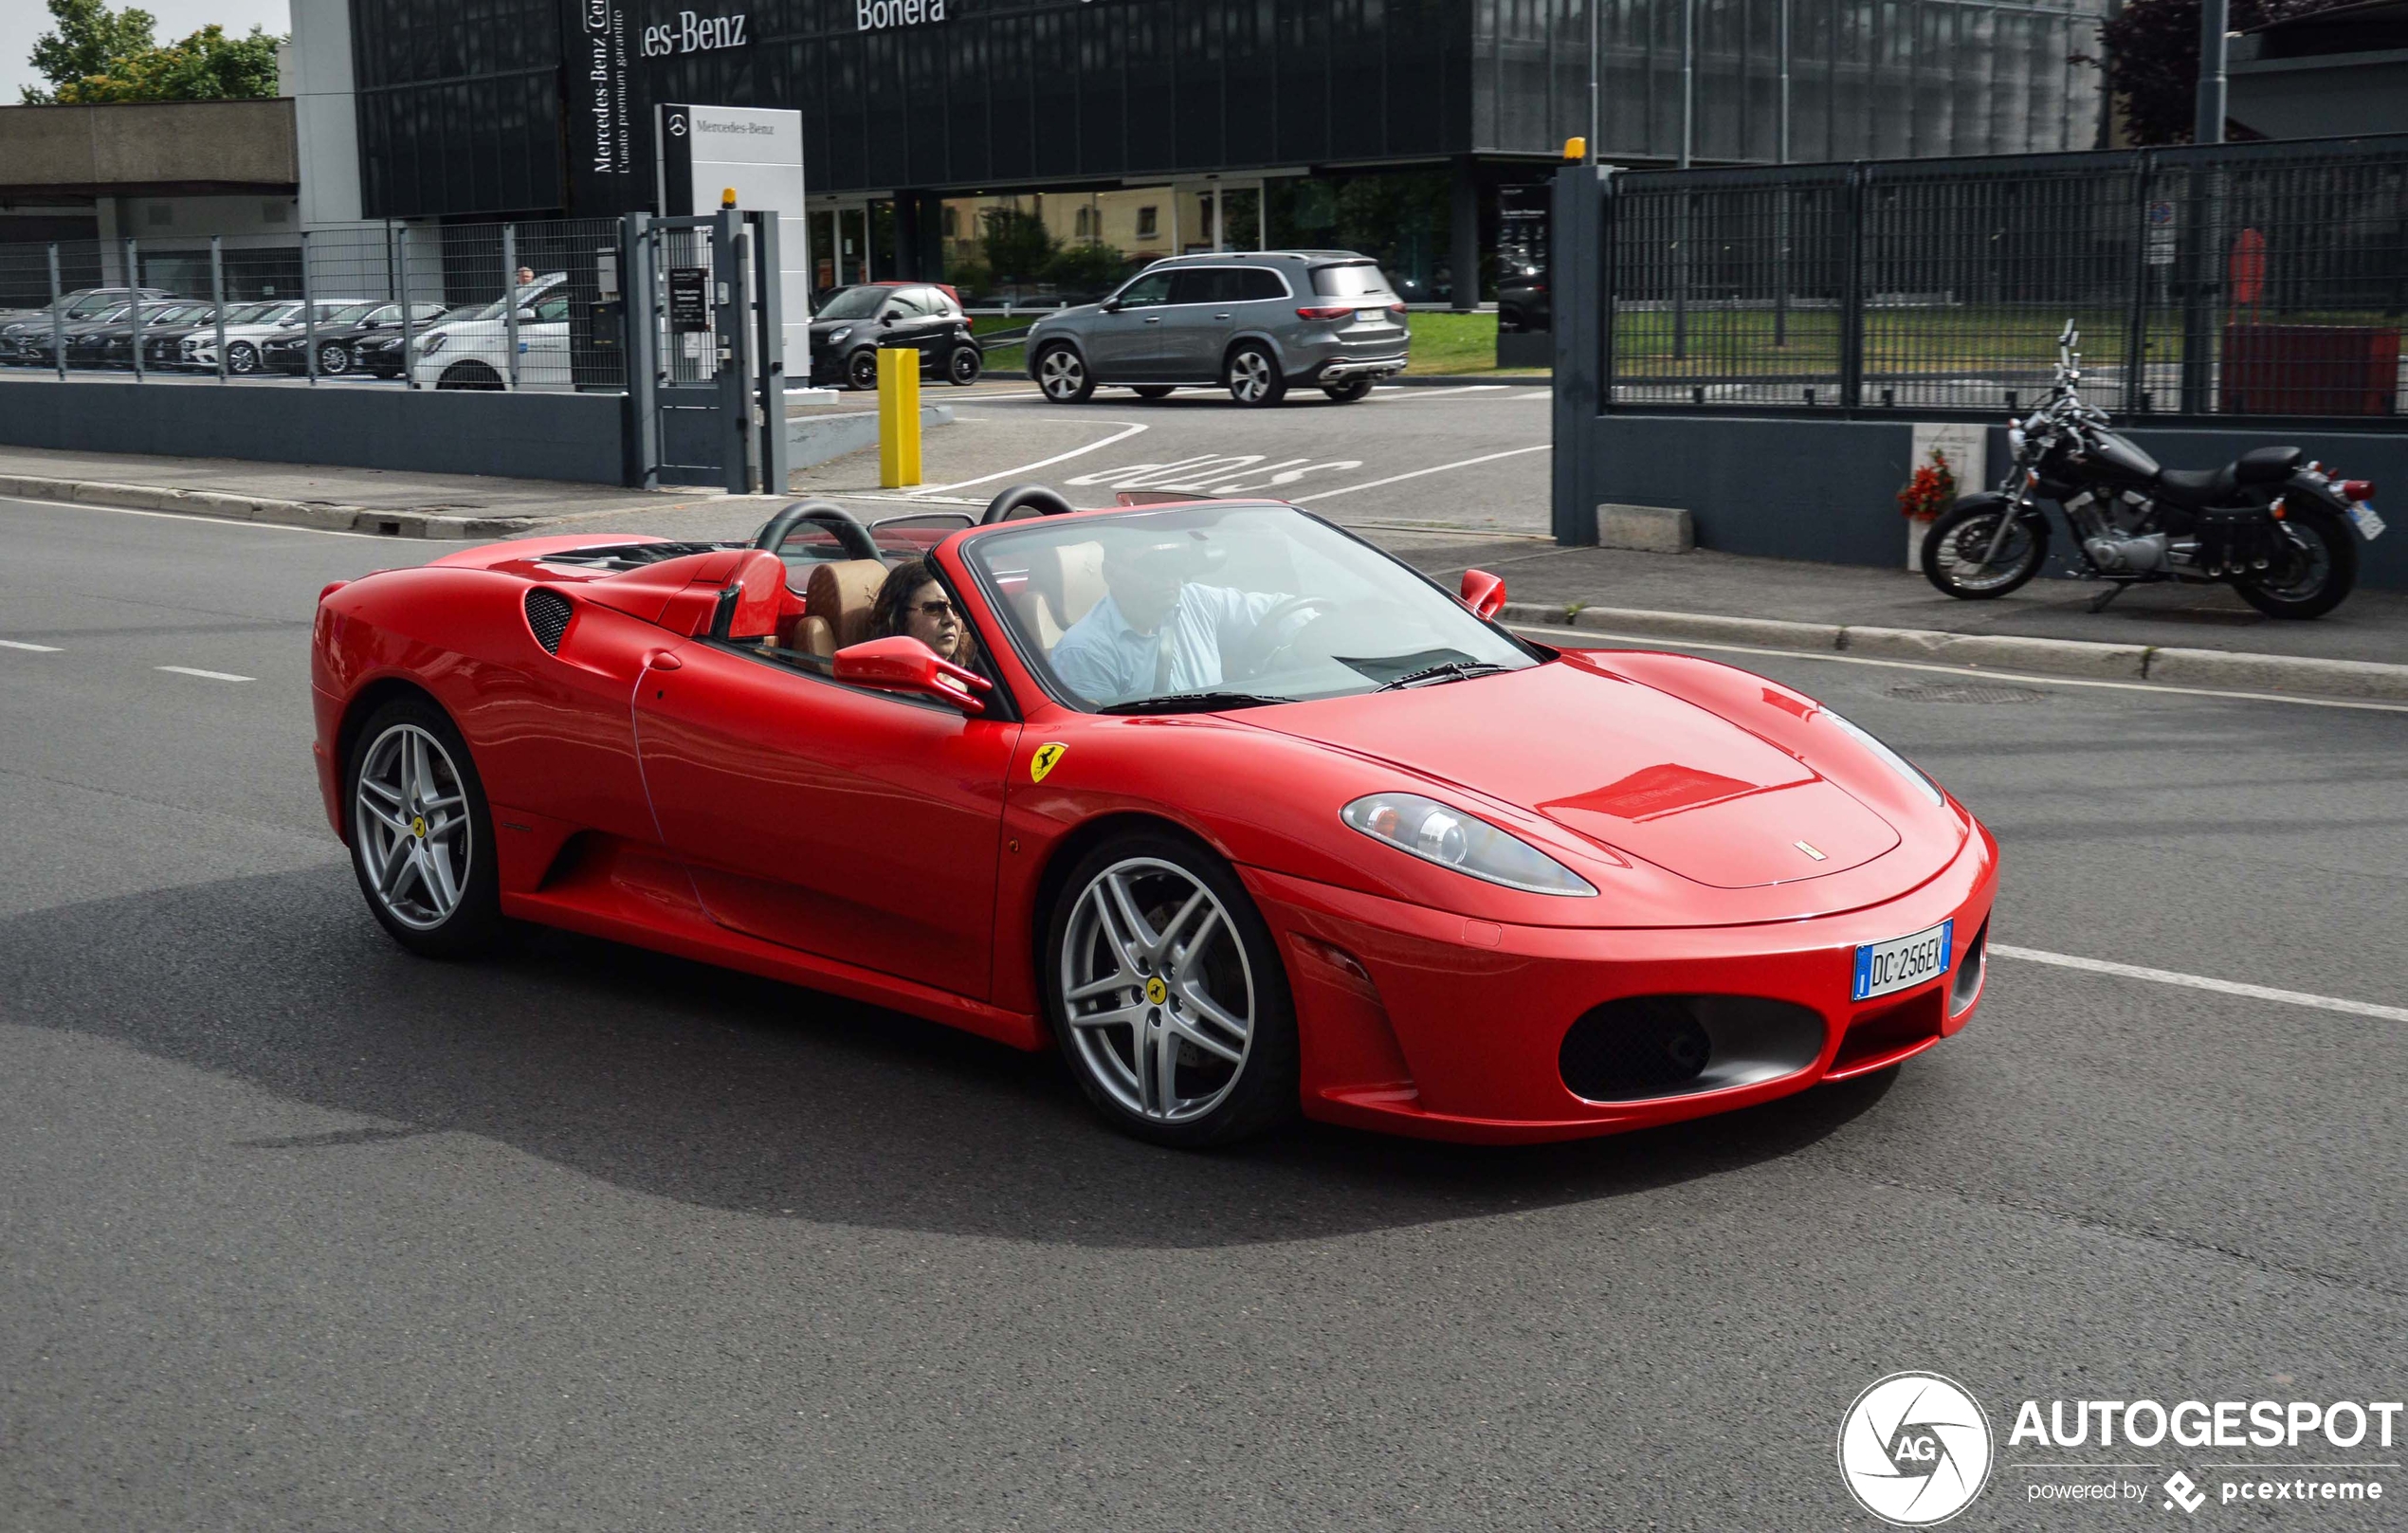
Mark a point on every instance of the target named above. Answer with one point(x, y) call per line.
point(346, 313)
point(94, 307)
point(1142, 610)
point(250, 313)
point(854, 303)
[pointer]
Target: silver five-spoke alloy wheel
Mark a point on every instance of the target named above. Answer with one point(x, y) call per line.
point(411, 829)
point(1250, 377)
point(1062, 374)
point(1158, 990)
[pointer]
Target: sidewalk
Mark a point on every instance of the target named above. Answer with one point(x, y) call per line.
point(2372, 625)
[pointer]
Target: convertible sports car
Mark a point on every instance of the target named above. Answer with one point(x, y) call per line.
point(1242, 815)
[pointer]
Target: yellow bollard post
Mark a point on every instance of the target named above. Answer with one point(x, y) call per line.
point(898, 416)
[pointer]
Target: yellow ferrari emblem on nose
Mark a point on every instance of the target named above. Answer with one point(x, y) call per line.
point(418, 826)
point(1043, 761)
point(1157, 992)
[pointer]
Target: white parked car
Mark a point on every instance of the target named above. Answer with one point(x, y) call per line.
point(245, 329)
point(475, 353)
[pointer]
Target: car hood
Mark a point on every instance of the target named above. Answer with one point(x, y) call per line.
point(1626, 766)
point(1077, 311)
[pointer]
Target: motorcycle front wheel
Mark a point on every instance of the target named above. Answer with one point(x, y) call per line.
point(2314, 567)
point(1957, 555)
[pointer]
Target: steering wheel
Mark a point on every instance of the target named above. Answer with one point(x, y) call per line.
point(1264, 645)
point(1022, 499)
point(849, 534)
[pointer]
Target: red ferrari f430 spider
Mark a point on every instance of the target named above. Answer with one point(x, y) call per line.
point(1243, 815)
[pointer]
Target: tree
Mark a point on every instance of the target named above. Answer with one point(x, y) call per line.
point(1085, 268)
point(90, 40)
point(2152, 63)
point(1018, 244)
point(96, 55)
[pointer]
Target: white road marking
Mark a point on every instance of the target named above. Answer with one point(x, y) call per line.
point(1398, 479)
point(1440, 393)
point(206, 675)
point(2193, 981)
point(1658, 640)
point(37, 648)
point(1129, 429)
point(200, 518)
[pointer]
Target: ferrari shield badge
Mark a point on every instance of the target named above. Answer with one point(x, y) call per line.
point(1043, 761)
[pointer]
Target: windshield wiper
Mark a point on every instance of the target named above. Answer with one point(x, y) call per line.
point(1450, 670)
point(1193, 702)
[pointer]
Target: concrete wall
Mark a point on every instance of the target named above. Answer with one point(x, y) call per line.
point(314, 68)
point(133, 147)
point(1825, 489)
point(576, 437)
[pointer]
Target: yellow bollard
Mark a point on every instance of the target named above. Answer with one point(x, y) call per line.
point(898, 416)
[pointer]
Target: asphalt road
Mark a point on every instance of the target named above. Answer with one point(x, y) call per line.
point(296, 1232)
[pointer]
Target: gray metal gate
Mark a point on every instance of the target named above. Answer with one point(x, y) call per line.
point(707, 373)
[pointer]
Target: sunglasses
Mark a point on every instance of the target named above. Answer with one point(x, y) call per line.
point(940, 608)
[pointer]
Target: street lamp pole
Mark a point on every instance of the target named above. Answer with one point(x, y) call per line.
point(2208, 127)
point(1596, 139)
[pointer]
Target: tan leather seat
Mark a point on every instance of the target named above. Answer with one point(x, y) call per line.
point(836, 603)
point(1068, 581)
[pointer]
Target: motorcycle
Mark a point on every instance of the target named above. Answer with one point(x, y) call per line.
point(2275, 528)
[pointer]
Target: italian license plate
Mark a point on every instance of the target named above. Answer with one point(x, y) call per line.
point(1372, 316)
point(1902, 962)
point(2370, 526)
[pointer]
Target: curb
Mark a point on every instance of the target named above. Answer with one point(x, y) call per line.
point(323, 516)
point(2354, 679)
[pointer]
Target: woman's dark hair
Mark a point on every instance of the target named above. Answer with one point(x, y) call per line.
point(886, 615)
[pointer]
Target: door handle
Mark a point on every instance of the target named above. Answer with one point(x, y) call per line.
point(1153, 318)
point(1220, 317)
point(663, 660)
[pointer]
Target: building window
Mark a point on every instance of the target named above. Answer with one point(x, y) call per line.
point(952, 222)
point(1146, 227)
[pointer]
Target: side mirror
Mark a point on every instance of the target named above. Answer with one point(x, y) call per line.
point(890, 317)
point(1111, 305)
point(526, 316)
point(905, 665)
point(1482, 593)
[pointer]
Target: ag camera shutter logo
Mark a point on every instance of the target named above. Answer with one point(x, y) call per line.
point(1915, 1449)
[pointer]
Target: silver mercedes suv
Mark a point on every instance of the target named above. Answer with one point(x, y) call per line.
point(1255, 322)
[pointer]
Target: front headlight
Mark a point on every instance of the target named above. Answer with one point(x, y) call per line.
point(836, 338)
point(1892, 759)
point(432, 344)
point(1450, 838)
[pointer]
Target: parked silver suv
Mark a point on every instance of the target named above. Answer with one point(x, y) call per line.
point(1252, 321)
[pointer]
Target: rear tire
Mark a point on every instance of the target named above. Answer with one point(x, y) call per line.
point(2316, 578)
point(1348, 392)
point(1953, 550)
point(1255, 378)
point(1062, 372)
point(1198, 1046)
point(421, 833)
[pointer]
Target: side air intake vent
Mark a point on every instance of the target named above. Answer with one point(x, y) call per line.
point(547, 617)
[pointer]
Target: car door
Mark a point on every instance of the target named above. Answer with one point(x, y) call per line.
point(1126, 343)
point(543, 345)
point(854, 824)
point(1200, 321)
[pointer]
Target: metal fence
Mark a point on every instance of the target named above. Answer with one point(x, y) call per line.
point(2240, 279)
point(416, 305)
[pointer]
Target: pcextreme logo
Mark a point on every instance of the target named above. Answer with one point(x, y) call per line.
point(1915, 1449)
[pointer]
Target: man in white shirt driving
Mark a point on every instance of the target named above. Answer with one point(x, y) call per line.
point(1155, 633)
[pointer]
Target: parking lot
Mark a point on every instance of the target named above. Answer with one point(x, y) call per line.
point(301, 1232)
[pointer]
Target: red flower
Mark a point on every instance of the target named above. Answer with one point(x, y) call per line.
point(1931, 491)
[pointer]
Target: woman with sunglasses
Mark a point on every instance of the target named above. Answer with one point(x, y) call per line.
point(912, 603)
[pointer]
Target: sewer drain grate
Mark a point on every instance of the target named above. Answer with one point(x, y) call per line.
point(1967, 692)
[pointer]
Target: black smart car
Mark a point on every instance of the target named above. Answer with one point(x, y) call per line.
point(849, 330)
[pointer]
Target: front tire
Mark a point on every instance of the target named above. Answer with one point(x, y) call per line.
point(333, 359)
point(2316, 572)
point(964, 367)
point(475, 376)
point(242, 358)
point(861, 369)
point(1062, 372)
point(421, 833)
point(1956, 550)
point(1255, 378)
point(1166, 994)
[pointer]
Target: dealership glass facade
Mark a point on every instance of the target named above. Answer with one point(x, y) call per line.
point(1377, 124)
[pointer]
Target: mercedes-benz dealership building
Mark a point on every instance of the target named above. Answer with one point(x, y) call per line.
point(1149, 127)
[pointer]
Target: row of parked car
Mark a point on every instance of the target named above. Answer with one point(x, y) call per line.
point(463, 347)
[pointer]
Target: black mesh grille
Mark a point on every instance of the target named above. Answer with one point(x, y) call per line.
point(1647, 1045)
point(548, 617)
